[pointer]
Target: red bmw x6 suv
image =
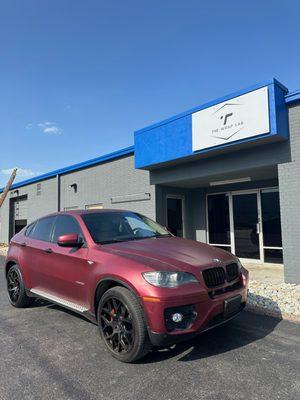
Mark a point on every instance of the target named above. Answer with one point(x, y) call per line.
point(140, 284)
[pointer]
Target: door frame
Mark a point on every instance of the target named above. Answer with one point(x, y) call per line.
point(182, 198)
point(230, 195)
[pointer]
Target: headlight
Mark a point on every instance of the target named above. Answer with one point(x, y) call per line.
point(168, 279)
point(243, 270)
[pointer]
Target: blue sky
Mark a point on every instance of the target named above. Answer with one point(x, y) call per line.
point(79, 77)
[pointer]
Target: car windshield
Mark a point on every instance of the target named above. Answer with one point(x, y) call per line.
point(121, 226)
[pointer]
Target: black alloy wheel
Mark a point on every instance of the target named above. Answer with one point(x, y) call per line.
point(13, 285)
point(122, 325)
point(117, 326)
point(16, 289)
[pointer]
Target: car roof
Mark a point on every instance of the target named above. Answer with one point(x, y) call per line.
point(81, 212)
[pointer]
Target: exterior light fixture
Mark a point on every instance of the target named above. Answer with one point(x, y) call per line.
point(74, 187)
point(229, 181)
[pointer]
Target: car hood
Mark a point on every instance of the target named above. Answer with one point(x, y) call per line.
point(171, 253)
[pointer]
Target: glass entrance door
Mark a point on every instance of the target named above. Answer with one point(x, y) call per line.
point(246, 225)
point(175, 212)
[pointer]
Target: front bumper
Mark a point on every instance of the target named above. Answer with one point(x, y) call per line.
point(165, 339)
point(210, 313)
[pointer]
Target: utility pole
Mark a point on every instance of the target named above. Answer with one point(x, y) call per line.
point(8, 186)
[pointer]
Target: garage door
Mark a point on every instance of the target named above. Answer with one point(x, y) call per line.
point(20, 208)
point(18, 215)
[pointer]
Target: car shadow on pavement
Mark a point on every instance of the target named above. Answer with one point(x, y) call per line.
point(67, 311)
point(246, 328)
point(40, 303)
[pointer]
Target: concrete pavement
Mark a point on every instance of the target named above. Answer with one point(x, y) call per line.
point(50, 353)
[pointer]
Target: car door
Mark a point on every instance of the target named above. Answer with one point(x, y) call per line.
point(69, 269)
point(38, 249)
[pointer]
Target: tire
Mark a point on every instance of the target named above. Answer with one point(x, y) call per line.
point(16, 289)
point(122, 325)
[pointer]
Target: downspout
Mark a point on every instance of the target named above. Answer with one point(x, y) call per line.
point(58, 191)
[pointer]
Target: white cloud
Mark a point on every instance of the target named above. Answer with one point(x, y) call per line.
point(21, 172)
point(50, 128)
point(47, 127)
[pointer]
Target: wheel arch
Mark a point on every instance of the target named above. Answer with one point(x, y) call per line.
point(107, 283)
point(8, 265)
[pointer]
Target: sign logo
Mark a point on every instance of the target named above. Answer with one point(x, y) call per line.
point(239, 118)
point(228, 121)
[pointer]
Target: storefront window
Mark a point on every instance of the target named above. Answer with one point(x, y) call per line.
point(175, 216)
point(218, 219)
point(271, 218)
point(273, 256)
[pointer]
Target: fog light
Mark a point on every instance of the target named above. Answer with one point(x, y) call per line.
point(177, 317)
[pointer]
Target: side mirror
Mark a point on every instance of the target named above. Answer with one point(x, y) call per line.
point(69, 240)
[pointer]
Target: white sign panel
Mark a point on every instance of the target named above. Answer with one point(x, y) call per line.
point(239, 118)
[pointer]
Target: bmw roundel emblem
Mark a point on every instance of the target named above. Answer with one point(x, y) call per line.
point(216, 260)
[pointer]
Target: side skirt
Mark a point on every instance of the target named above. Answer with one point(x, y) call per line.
point(63, 303)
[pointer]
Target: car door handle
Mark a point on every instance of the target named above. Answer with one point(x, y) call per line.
point(23, 244)
point(48, 251)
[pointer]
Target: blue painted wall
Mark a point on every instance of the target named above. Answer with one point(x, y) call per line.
point(171, 139)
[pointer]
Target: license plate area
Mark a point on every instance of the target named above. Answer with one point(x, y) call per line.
point(232, 305)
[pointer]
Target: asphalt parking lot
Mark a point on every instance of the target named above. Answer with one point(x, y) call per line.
point(50, 353)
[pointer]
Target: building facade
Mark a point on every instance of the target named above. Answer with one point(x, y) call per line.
point(226, 173)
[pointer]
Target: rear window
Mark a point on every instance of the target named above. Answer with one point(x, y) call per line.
point(42, 229)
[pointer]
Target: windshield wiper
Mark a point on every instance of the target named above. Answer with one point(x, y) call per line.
point(108, 241)
point(128, 239)
point(162, 235)
point(120, 240)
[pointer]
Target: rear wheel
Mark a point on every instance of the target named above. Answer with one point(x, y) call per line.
point(16, 289)
point(122, 325)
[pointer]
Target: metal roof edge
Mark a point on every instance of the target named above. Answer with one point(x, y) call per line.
point(292, 97)
point(74, 167)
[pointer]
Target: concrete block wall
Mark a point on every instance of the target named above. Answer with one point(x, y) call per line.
point(115, 184)
point(289, 189)
point(37, 205)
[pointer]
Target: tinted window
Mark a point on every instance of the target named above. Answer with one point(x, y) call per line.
point(218, 219)
point(65, 224)
point(271, 219)
point(174, 216)
point(29, 229)
point(42, 229)
point(121, 226)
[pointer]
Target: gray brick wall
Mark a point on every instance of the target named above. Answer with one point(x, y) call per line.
point(117, 180)
point(115, 184)
point(37, 206)
point(289, 187)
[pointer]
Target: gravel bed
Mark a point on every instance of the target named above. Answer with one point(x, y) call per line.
point(3, 249)
point(276, 299)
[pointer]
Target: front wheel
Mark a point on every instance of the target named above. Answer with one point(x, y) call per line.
point(122, 325)
point(16, 289)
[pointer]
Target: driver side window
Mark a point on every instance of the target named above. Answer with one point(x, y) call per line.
point(65, 224)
